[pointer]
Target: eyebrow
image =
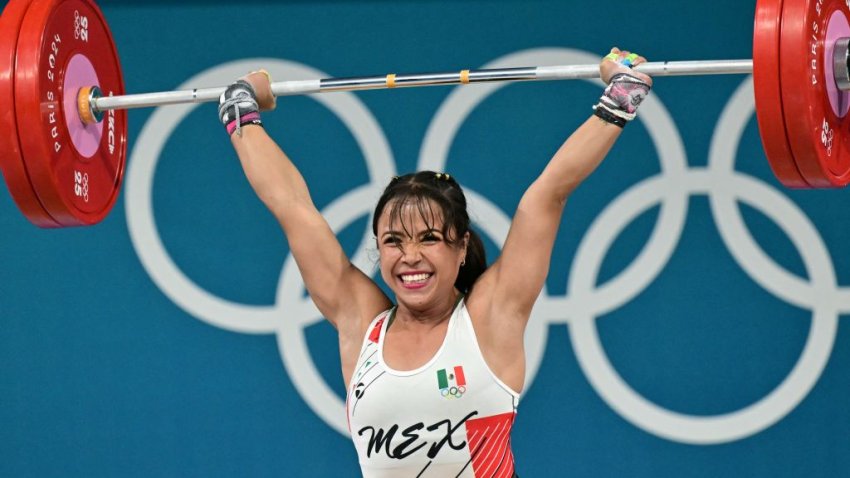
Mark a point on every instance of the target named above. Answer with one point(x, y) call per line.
point(431, 230)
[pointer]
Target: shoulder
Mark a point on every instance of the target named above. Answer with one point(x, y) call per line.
point(355, 330)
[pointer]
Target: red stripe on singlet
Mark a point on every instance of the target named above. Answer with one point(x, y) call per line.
point(489, 441)
point(376, 332)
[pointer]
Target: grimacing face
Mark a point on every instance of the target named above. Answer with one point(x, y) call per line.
point(417, 261)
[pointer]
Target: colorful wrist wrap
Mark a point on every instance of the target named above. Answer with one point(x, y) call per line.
point(238, 107)
point(621, 99)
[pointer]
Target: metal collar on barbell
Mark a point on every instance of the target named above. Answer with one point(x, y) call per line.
point(841, 59)
point(86, 101)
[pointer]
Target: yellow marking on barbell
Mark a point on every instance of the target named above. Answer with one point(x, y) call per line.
point(464, 76)
point(391, 80)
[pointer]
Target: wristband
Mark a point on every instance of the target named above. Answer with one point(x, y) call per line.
point(250, 118)
point(604, 114)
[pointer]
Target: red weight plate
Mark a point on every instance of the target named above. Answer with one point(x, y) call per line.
point(11, 161)
point(768, 94)
point(815, 111)
point(76, 170)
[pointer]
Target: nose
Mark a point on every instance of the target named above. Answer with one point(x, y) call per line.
point(411, 253)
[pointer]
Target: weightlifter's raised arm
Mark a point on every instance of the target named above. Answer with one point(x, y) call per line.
point(341, 291)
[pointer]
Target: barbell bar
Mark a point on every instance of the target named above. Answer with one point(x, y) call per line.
point(64, 138)
point(100, 104)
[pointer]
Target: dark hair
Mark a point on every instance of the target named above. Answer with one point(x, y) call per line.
point(427, 188)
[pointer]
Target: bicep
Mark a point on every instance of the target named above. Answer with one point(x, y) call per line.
point(340, 290)
point(337, 287)
point(517, 277)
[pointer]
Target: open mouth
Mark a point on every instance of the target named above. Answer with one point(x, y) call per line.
point(415, 279)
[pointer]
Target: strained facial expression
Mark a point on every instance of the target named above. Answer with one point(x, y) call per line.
point(418, 260)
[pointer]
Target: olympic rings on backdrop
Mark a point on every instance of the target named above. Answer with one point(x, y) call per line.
point(584, 301)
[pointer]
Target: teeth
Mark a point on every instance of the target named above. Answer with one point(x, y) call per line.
point(414, 278)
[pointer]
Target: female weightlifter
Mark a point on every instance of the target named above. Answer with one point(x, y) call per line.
point(433, 376)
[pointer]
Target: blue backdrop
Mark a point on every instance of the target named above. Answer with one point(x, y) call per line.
point(691, 322)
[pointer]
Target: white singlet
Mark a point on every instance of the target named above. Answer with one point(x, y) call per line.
point(449, 418)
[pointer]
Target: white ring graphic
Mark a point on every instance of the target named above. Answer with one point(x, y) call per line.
point(724, 186)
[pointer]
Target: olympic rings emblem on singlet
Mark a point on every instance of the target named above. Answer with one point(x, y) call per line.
point(453, 392)
point(585, 299)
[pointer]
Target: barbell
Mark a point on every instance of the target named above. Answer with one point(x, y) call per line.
point(63, 145)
